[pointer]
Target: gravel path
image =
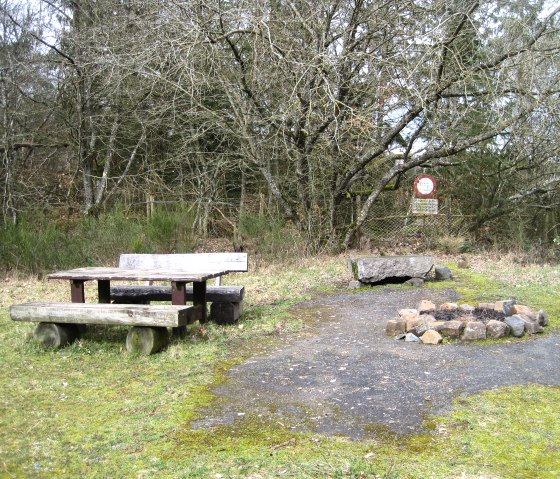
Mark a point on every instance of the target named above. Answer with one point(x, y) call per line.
point(344, 376)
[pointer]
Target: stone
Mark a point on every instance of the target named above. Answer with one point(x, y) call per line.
point(542, 318)
point(497, 329)
point(419, 330)
point(431, 337)
point(462, 263)
point(436, 325)
point(398, 337)
point(417, 327)
point(448, 307)
point(442, 273)
point(416, 282)
point(531, 325)
point(465, 318)
point(408, 313)
point(474, 330)
point(516, 324)
point(412, 323)
point(427, 317)
point(466, 308)
point(411, 338)
point(395, 326)
point(410, 316)
point(426, 305)
point(505, 307)
point(486, 305)
point(522, 309)
point(390, 268)
point(354, 284)
point(452, 329)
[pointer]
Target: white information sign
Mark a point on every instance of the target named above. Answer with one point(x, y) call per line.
point(424, 206)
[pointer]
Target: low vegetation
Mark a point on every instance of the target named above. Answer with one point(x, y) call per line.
point(91, 410)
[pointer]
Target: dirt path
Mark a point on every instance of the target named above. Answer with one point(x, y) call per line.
point(343, 376)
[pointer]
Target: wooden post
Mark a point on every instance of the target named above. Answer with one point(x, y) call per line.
point(104, 291)
point(150, 206)
point(77, 294)
point(199, 298)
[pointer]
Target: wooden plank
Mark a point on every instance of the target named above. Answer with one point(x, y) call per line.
point(237, 262)
point(233, 294)
point(119, 274)
point(100, 313)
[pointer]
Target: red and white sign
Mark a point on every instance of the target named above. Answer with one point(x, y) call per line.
point(424, 186)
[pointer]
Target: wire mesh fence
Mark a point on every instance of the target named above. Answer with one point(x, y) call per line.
point(393, 220)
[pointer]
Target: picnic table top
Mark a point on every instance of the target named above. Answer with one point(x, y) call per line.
point(124, 274)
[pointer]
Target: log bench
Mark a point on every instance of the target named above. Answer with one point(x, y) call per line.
point(226, 307)
point(226, 301)
point(59, 323)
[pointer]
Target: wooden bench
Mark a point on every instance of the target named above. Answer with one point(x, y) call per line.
point(59, 323)
point(227, 301)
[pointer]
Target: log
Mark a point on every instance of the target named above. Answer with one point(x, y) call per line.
point(146, 340)
point(101, 313)
point(226, 313)
point(135, 293)
point(53, 335)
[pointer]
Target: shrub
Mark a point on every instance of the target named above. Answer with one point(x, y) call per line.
point(451, 244)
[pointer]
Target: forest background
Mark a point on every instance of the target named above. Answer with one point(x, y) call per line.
point(286, 126)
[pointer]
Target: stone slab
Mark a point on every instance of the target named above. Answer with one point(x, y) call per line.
point(390, 268)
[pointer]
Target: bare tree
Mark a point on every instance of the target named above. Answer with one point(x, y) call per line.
point(324, 95)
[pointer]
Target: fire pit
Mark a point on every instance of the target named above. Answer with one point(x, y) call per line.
point(429, 324)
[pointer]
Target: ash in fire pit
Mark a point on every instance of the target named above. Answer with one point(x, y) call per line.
point(429, 324)
point(481, 314)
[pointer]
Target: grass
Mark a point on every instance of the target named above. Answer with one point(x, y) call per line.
point(93, 411)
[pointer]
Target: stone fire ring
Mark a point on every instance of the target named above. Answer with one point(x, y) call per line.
point(429, 325)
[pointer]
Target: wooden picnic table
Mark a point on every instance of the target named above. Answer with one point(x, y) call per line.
point(177, 277)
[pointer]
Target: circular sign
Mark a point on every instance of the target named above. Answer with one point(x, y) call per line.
point(424, 186)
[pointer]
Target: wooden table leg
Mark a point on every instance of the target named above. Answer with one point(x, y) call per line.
point(178, 293)
point(77, 293)
point(199, 298)
point(179, 296)
point(104, 291)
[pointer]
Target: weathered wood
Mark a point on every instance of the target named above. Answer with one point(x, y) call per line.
point(103, 291)
point(77, 294)
point(193, 261)
point(100, 313)
point(53, 335)
point(133, 293)
point(226, 313)
point(228, 262)
point(118, 274)
point(146, 340)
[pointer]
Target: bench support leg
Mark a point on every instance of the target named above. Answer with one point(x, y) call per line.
point(226, 313)
point(179, 332)
point(146, 340)
point(54, 335)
